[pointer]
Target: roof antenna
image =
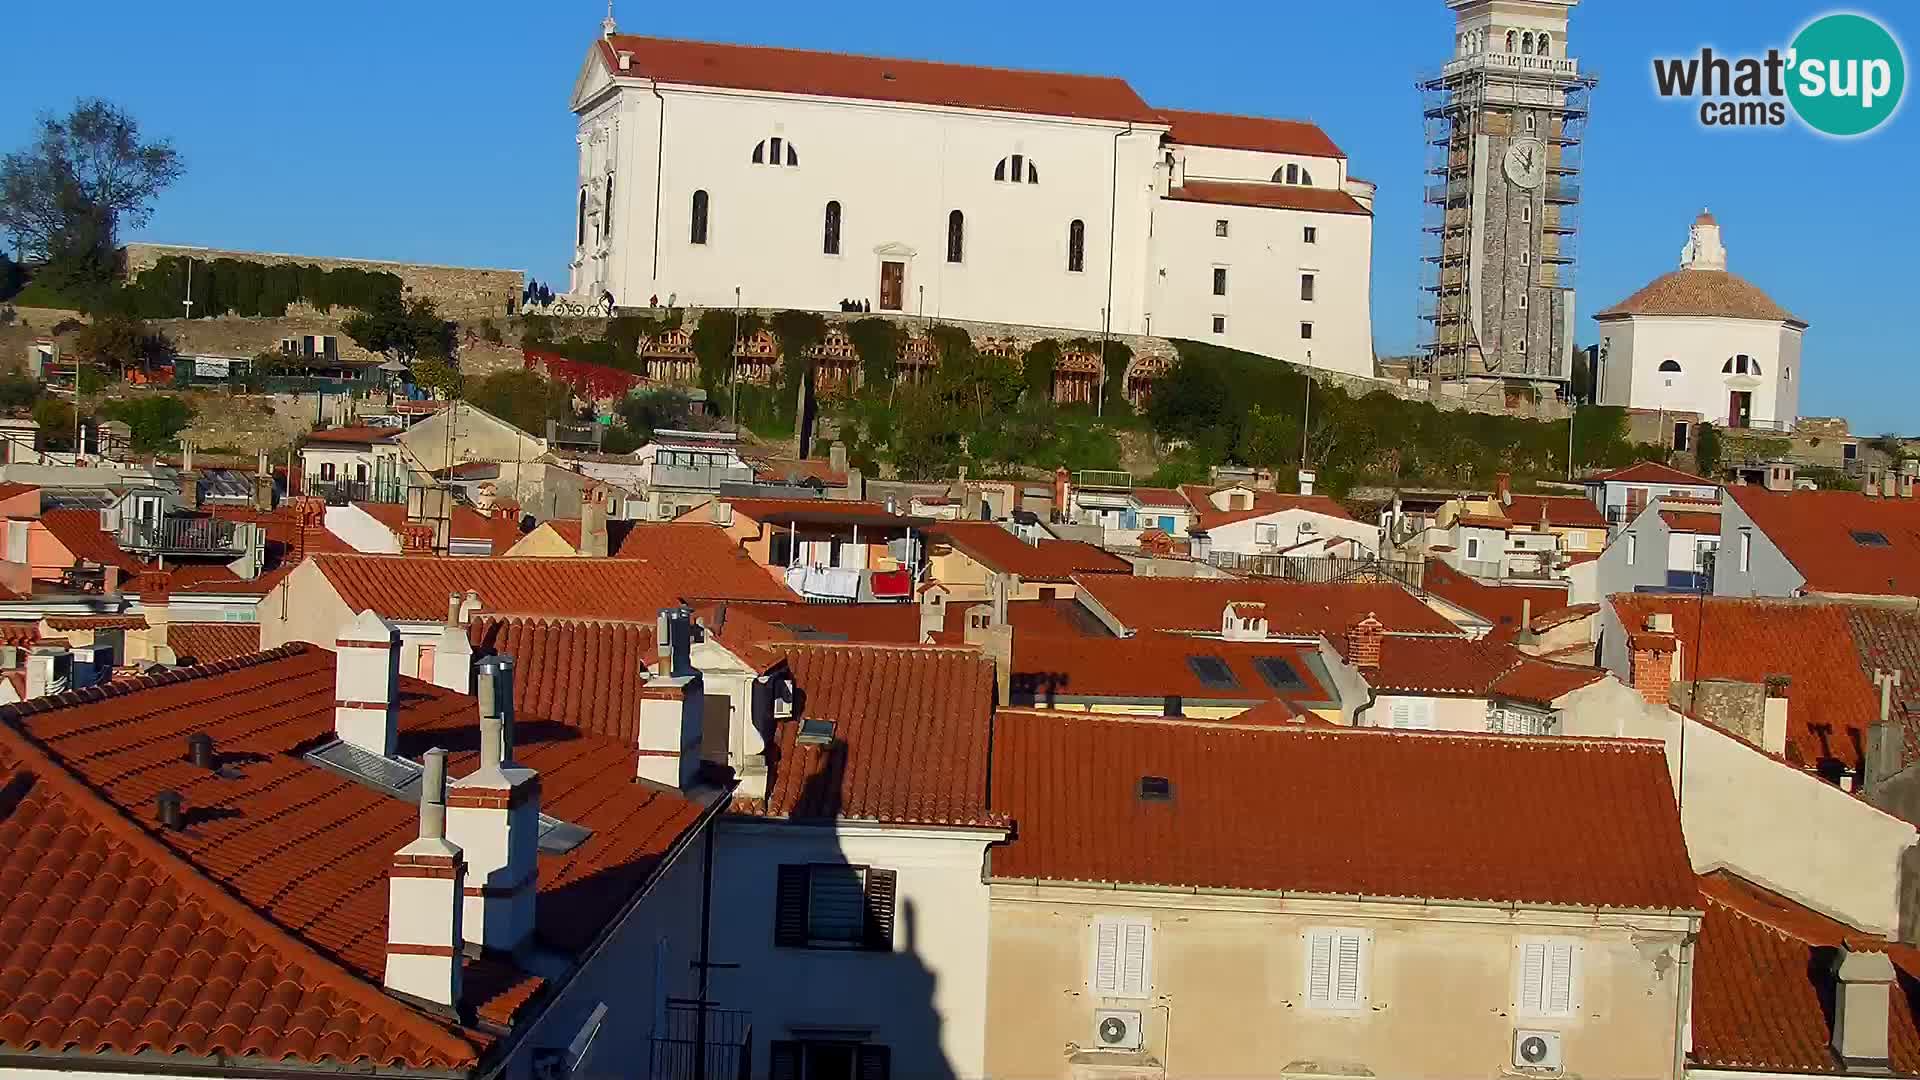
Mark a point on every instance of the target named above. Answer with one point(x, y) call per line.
point(607, 25)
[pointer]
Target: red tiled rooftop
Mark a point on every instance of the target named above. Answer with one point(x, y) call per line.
point(79, 532)
point(1815, 531)
point(783, 470)
point(1485, 668)
point(1562, 511)
point(870, 78)
point(1049, 560)
point(1167, 497)
point(464, 523)
point(1260, 133)
point(910, 738)
point(416, 588)
point(354, 435)
point(1339, 810)
point(206, 643)
point(95, 622)
point(1759, 1002)
point(1196, 604)
point(1267, 196)
point(1651, 472)
point(1264, 503)
point(585, 674)
point(1051, 669)
point(1502, 605)
point(1831, 701)
point(895, 624)
point(1714, 293)
point(295, 858)
point(1691, 522)
point(776, 511)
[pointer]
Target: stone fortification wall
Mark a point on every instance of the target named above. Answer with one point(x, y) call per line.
point(460, 292)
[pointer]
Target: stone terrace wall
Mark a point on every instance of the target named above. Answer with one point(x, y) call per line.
point(461, 292)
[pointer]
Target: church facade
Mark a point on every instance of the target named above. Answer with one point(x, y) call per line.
point(1702, 339)
point(710, 173)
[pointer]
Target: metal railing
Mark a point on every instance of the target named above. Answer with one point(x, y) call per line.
point(1319, 571)
point(342, 492)
point(1104, 479)
point(700, 477)
point(678, 1050)
point(1483, 568)
point(178, 535)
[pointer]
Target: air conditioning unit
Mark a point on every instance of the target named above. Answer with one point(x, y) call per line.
point(1536, 1050)
point(1306, 528)
point(1116, 1029)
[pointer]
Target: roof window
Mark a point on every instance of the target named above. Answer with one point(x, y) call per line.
point(1155, 789)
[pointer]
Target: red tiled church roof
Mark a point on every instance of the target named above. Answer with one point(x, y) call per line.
point(1278, 810)
point(1267, 196)
point(1231, 132)
point(1713, 293)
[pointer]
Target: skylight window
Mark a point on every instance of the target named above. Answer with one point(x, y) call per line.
point(1213, 672)
point(1156, 789)
point(1869, 539)
point(1278, 673)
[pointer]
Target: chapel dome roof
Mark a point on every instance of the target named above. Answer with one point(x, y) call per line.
point(1716, 293)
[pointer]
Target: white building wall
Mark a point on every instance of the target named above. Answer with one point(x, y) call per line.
point(926, 999)
point(361, 530)
point(1226, 163)
point(1637, 346)
point(1430, 713)
point(1265, 254)
point(1242, 537)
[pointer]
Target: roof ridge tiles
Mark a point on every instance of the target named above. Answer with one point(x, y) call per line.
point(146, 680)
point(1335, 731)
point(63, 783)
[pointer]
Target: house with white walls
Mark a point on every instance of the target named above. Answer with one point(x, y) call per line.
point(1241, 520)
point(1622, 493)
point(709, 174)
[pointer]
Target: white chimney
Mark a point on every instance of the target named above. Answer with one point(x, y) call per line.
point(453, 609)
point(1773, 717)
point(593, 524)
point(426, 887)
point(366, 684)
point(1307, 477)
point(493, 814)
point(49, 667)
point(453, 659)
point(469, 606)
point(1862, 1001)
point(626, 60)
point(1660, 622)
point(671, 728)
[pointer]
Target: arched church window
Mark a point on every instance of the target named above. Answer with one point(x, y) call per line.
point(1076, 246)
point(832, 245)
point(956, 236)
point(1513, 41)
point(1528, 123)
point(1306, 178)
point(1526, 43)
point(1542, 48)
point(1670, 366)
point(1740, 364)
point(1016, 169)
point(700, 217)
point(580, 222)
point(775, 151)
point(608, 216)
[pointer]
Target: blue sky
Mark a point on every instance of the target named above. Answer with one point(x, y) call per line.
point(437, 131)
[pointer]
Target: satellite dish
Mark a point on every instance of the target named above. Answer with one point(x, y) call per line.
point(1533, 1049)
point(1113, 1031)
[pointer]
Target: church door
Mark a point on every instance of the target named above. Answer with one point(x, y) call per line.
point(893, 282)
point(1740, 409)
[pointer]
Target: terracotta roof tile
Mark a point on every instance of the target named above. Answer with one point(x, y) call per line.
point(416, 588)
point(910, 736)
point(1502, 605)
point(1292, 608)
point(79, 532)
point(1691, 522)
point(465, 523)
point(774, 511)
point(1049, 669)
point(894, 624)
point(1816, 530)
point(639, 539)
point(1831, 701)
point(1562, 511)
point(1757, 1000)
point(1484, 668)
point(1049, 560)
point(354, 435)
point(1250, 133)
point(8, 489)
point(870, 78)
point(299, 855)
point(783, 470)
point(1267, 196)
point(205, 643)
point(1339, 810)
point(95, 622)
point(1702, 292)
point(1153, 496)
point(1264, 503)
point(1651, 472)
point(585, 674)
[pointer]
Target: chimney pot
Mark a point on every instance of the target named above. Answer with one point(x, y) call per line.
point(1862, 1002)
point(170, 810)
point(200, 750)
point(1363, 643)
point(453, 609)
point(426, 900)
point(433, 794)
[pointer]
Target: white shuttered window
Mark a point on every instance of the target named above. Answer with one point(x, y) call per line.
point(1337, 968)
point(1122, 957)
point(1546, 977)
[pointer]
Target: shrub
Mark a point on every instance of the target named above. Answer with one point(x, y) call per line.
point(157, 420)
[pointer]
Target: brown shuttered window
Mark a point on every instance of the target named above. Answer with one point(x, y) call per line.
point(834, 905)
point(880, 903)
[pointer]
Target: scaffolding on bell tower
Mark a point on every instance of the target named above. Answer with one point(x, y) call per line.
point(1468, 107)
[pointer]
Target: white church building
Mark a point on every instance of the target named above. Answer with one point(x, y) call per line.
point(1701, 339)
point(796, 179)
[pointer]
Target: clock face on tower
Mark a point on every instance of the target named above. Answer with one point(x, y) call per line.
point(1526, 163)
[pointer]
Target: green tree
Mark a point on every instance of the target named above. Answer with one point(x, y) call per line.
point(122, 341)
point(13, 277)
point(55, 418)
point(410, 331)
point(1708, 450)
point(650, 410)
point(85, 176)
point(19, 392)
point(525, 399)
point(1580, 382)
point(157, 420)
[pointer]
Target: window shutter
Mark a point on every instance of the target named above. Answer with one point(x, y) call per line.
point(1346, 983)
point(1133, 960)
point(1560, 978)
point(1533, 966)
point(1320, 967)
point(880, 903)
point(1402, 713)
point(876, 1062)
point(783, 1060)
point(790, 910)
point(1106, 957)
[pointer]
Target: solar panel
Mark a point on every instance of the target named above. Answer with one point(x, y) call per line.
point(1214, 672)
point(397, 777)
point(1278, 673)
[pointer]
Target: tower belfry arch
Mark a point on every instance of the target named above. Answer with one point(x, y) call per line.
point(1505, 121)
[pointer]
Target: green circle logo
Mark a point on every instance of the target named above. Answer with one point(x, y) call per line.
point(1847, 74)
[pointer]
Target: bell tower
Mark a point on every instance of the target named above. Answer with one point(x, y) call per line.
point(1505, 118)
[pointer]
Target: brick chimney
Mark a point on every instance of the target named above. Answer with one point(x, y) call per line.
point(1653, 650)
point(593, 523)
point(1862, 1002)
point(366, 684)
point(426, 889)
point(493, 814)
point(189, 486)
point(1363, 643)
point(1503, 488)
point(1062, 494)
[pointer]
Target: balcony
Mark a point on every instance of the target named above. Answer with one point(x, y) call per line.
point(1553, 67)
point(699, 477)
point(342, 492)
point(1320, 570)
point(179, 536)
point(718, 1045)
